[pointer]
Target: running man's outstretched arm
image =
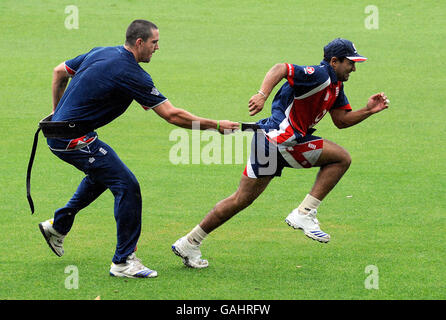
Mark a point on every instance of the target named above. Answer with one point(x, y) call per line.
point(272, 78)
point(344, 119)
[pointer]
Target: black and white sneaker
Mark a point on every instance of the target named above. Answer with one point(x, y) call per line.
point(132, 268)
point(52, 237)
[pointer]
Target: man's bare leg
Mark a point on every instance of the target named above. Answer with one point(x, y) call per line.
point(334, 161)
point(188, 247)
point(248, 190)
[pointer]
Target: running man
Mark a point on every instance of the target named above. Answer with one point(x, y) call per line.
point(104, 83)
point(285, 140)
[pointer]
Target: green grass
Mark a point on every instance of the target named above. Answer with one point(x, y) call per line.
point(213, 57)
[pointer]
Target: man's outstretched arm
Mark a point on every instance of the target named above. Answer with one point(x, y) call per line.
point(184, 119)
point(344, 119)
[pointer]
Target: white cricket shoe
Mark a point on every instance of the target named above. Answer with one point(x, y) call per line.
point(132, 268)
point(52, 237)
point(190, 253)
point(308, 224)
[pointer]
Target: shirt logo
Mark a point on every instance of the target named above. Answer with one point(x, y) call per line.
point(155, 92)
point(320, 116)
point(309, 70)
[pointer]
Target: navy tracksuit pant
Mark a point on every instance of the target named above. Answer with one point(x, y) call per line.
point(104, 170)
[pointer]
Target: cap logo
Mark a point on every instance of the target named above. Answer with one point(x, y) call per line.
point(354, 47)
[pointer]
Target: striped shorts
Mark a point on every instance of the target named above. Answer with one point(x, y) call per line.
point(268, 159)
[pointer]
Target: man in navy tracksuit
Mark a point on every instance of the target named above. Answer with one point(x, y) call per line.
point(104, 83)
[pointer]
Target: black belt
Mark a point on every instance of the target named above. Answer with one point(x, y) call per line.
point(54, 129)
point(249, 126)
point(254, 126)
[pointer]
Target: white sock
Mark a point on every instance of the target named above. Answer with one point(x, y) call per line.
point(196, 236)
point(309, 203)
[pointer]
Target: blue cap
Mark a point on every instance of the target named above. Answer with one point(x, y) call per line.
point(342, 48)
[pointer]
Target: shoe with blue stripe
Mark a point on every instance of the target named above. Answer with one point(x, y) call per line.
point(308, 223)
point(132, 268)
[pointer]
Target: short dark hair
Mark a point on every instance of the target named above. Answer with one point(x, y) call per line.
point(139, 29)
point(341, 59)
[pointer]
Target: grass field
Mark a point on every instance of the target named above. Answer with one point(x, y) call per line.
point(388, 211)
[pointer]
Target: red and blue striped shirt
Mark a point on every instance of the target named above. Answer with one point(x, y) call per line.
point(309, 93)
